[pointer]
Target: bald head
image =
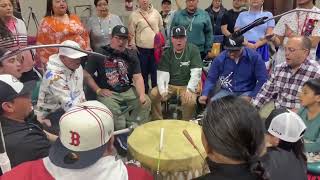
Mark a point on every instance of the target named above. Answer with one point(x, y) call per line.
point(305, 42)
point(297, 50)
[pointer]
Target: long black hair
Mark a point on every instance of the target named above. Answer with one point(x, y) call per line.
point(4, 31)
point(234, 129)
point(49, 11)
point(314, 85)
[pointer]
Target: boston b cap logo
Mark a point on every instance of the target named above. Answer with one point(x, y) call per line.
point(85, 130)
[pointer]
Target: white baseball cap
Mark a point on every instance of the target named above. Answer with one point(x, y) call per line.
point(11, 87)
point(285, 125)
point(85, 130)
point(71, 53)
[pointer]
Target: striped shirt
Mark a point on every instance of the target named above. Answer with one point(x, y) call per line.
point(18, 38)
point(284, 85)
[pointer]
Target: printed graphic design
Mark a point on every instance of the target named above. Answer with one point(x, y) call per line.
point(226, 82)
point(117, 73)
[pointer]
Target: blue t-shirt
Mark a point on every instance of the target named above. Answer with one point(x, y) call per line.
point(258, 32)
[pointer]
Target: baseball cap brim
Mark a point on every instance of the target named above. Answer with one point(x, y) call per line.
point(121, 35)
point(232, 48)
point(59, 155)
point(76, 55)
point(166, 1)
point(26, 90)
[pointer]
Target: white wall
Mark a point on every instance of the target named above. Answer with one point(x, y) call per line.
point(116, 7)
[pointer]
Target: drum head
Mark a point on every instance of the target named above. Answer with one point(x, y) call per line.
point(177, 153)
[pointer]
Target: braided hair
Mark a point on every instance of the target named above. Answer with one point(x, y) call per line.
point(233, 128)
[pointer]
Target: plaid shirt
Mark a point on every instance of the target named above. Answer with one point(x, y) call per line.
point(283, 86)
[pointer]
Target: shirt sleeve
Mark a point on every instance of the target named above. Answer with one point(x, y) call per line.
point(280, 27)
point(164, 61)
point(195, 69)
point(213, 76)
point(135, 62)
point(118, 20)
point(88, 25)
point(238, 21)
point(91, 65)
point(224, 20)
point(272, 22)
point(260, 75)
point(42, 39)
point(266, 93)
point(208, 31)
point(313, 146)
point(132, 29)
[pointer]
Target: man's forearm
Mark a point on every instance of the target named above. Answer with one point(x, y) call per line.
point(139, 84)
point(90, 81)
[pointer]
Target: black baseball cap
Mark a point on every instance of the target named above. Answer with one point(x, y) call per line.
point(166, 1)
point(11, 87)
point(178, 31)
point(120, 30)
point(234, 43)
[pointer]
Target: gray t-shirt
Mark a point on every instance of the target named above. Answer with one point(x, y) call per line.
point(100, 30)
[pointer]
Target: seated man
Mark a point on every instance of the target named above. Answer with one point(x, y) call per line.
point(178, 73)
point(82, 151)
point(62, 84)
point(288, 78)
point(239, 70)
point(23, 136)
point(116, 73)
point(10, 65)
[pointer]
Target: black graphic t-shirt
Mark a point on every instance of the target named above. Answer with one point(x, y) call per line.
point(115, 72)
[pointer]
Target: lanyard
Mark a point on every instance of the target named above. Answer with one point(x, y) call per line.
point(304, 24)
point(102, 30)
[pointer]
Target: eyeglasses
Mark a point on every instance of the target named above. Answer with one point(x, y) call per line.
point(292, 50)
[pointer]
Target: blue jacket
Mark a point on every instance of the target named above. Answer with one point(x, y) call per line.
point(198, 26)
point(248, 75)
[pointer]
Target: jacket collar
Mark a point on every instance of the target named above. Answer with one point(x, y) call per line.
point(185, 12)
point(56, 64)
point(150, 9)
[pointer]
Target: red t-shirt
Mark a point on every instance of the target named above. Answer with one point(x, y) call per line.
point(35, 170)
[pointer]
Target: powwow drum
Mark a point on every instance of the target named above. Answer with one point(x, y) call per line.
point(178, 159)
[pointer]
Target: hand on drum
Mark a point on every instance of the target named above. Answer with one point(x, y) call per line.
point(164, 96)
point(203, 100)
point(188, 96)
point(247, 98)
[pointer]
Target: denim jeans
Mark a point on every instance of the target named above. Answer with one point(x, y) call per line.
point(222, 93)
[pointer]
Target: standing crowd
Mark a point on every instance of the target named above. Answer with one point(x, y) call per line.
point(51, 99)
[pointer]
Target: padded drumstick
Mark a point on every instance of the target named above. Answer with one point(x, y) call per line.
point(161, 139)
point(187, 135)
point(160, 149)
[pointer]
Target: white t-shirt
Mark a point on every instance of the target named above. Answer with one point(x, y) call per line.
point(292, 20)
